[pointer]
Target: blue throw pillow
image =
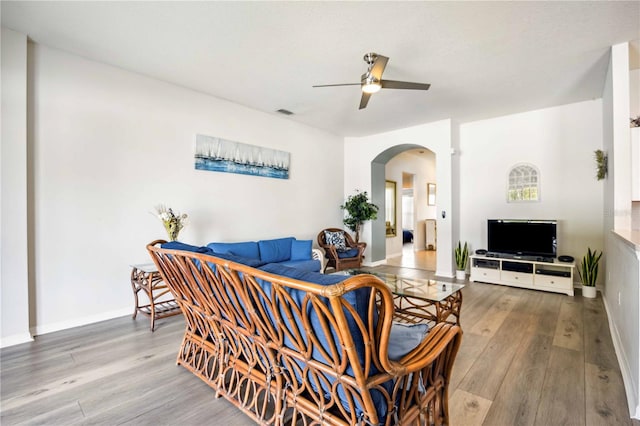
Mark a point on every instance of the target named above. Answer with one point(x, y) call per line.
point(277, 250)
point(177, 245)
point(335, 239)
point(404, 338)
point(301, 249)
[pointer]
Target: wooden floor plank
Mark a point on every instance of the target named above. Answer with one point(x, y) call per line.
point(525, 378)
point(605, 400)
point(569, 332)
point(544, 309)
point(489, 324)
point(467, 409)
point(598, 346)
point(562, 400)
point(470, 349)
point(485, 376)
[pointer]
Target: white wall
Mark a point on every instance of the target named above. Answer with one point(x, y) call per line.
point(560, 142)
point(109, 145)
point(423, 169)
point(621, 156)
point(634, 93)
point(359, 153)
point(14, 276)
point(623, 278)
point(621, 293)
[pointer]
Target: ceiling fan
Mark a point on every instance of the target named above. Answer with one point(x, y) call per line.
point(371, 81)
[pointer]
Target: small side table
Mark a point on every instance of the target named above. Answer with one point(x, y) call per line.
point(146, 277)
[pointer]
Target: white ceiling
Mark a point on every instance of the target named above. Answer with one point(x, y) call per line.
point(483, 59)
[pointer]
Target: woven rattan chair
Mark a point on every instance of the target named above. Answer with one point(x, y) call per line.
point(339, 260)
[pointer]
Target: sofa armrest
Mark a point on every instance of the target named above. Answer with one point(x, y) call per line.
point(317, 254)
point(442, 340)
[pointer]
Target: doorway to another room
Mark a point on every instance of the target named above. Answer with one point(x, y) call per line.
point(417, 234)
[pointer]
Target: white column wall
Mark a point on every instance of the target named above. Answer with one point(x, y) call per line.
point(14, 275)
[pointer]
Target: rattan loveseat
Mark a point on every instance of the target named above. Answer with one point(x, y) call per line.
point(287, 351)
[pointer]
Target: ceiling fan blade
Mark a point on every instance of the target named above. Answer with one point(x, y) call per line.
point(378, 66)
point(393, 84)
point(364, 100)
point(340, 84)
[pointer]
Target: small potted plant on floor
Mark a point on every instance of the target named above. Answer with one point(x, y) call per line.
point(588, 272)
point(462, 258)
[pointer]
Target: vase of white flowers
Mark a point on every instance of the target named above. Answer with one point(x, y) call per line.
point(173, 222)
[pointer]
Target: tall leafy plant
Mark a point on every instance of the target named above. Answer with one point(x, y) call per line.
point(588, 270)
point(359, 210)
point(462, 256)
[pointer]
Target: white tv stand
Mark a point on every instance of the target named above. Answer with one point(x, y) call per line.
point(534, 274)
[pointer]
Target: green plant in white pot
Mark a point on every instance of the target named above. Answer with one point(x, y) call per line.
point(588, 272)
point(462, 258)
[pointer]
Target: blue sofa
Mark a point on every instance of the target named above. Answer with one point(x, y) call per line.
point(323, 349)
point(287, 251)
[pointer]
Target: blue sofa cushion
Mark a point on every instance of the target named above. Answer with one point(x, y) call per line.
point(301, 249)
point(177, 245)
point(245, 249)
point(404, 338)
point(254, 263)
point(305, 265)
point(276, 250)
point(348, 253)
point(298, 274)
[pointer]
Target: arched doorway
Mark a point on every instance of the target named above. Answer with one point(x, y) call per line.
point(365, 159)
point(382, 244)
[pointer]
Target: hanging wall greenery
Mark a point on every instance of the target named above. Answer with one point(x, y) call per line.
point(601, 162)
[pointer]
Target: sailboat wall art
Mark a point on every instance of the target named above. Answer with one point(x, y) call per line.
point(221, 155)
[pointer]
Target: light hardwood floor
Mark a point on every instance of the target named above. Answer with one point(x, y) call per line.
point(527, 358)
point(421, 259)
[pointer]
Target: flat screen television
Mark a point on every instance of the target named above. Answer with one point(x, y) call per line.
point(534, 238)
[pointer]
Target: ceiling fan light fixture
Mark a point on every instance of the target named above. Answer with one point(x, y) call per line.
point(371, 87)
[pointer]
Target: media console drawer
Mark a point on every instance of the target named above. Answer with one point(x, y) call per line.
point(519, 278)
point(552, 281)
point(485, 274)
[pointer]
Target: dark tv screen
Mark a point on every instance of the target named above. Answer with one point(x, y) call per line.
point(522, 237)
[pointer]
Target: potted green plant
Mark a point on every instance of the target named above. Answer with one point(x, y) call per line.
point(588, 272)
point(462, 258)
point(359, 210)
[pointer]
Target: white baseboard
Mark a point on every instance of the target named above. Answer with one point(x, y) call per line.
point(445, 274)
point(625, 368)
point(16, 339)
point(77, 322)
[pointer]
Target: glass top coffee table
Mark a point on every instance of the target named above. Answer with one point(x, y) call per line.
point(418, 299)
